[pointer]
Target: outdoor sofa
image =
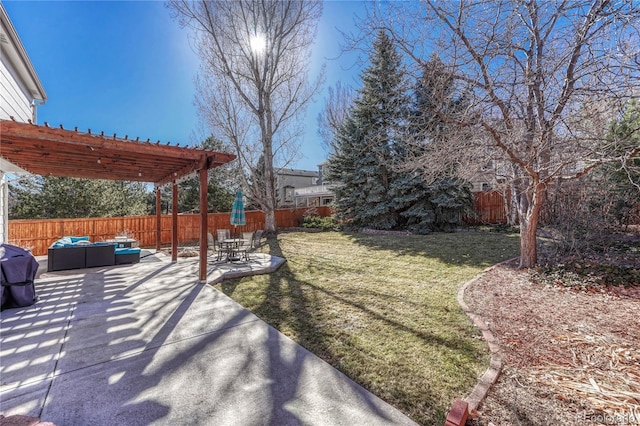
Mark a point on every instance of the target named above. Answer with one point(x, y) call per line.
point(80, 253)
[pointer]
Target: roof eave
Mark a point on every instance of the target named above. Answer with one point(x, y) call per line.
point(27, 73)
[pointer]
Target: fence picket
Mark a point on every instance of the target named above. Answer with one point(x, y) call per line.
point(38, 234)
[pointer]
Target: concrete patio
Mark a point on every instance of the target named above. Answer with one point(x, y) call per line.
point(149, 344)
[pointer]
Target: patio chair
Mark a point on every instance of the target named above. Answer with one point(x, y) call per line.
point(247, 245)
point(223, 234)
point(213, 247)
point(257, 239)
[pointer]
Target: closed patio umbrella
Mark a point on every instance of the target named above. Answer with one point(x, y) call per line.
point(237, 211)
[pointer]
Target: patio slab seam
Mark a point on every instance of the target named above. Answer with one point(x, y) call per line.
point(58, 355)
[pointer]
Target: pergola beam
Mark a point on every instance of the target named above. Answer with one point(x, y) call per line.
point(51, 151)
point(50, 135)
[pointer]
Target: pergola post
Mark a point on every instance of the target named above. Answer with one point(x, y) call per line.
point(204, 224)
point(158, 218)
point(174, 222)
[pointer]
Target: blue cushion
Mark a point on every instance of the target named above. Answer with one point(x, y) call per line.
point(76, 239)
point(127, 250)
point(61, 242)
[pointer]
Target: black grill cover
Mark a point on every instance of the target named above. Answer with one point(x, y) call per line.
point(18, 269)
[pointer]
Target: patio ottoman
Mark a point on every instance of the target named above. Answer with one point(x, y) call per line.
point(127, 255)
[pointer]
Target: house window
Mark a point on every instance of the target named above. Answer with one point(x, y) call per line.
point(288, 194)
point(488, 166)
point(485, 186)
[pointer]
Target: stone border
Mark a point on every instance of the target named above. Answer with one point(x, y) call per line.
point(492, 373)
point(260, 264)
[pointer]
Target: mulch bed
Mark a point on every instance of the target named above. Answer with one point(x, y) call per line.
point(570, 352)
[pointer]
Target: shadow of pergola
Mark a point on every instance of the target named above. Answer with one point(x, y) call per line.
point(148, 343)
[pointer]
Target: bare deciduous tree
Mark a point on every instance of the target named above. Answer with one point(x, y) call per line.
point(253, 85)
point(336, 107)
point(537, 75)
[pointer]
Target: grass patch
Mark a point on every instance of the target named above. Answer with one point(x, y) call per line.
point(382, 309)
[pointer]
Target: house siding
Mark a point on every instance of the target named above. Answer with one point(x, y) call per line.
point(15, 101)
point(19, 87)
point(288, 180)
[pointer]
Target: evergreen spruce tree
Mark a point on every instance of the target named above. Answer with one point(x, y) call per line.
point(24, 202)
point(622, 179)
point(438, 205)
point(46, 197)
point(361, 166)
point(342, 172)
point(120, 198)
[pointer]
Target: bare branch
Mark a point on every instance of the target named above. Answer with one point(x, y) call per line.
point(253, 86)
point(534, 74)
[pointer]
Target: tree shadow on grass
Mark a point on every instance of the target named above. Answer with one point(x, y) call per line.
point(294, 306)
point(477, 249)
point(228, 287)
point(289, 307)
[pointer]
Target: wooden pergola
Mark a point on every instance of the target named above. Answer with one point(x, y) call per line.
point(49, 151)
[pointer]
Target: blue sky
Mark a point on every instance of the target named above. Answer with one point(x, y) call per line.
point(127, 67)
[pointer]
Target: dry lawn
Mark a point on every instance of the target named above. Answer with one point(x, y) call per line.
point(382, 309)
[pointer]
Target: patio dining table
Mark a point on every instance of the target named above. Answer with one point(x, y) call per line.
point(231, 247)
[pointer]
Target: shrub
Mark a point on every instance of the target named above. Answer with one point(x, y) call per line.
point(324, 223)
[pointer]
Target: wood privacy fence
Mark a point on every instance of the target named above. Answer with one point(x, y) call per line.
point(39, 234)
point(489, 208)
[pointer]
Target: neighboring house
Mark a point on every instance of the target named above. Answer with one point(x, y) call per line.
point(319, 194)
point(302, 188)
point(20, 94)
point(314, 196)
point(485, 178)
point(288, 180)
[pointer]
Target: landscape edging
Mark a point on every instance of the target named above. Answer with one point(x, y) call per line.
point(492, 373)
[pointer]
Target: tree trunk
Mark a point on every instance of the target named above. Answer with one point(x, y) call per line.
point(529, 220)
point(528, 242)
point(269, 204)
point(510, 205)
point(270, 225)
